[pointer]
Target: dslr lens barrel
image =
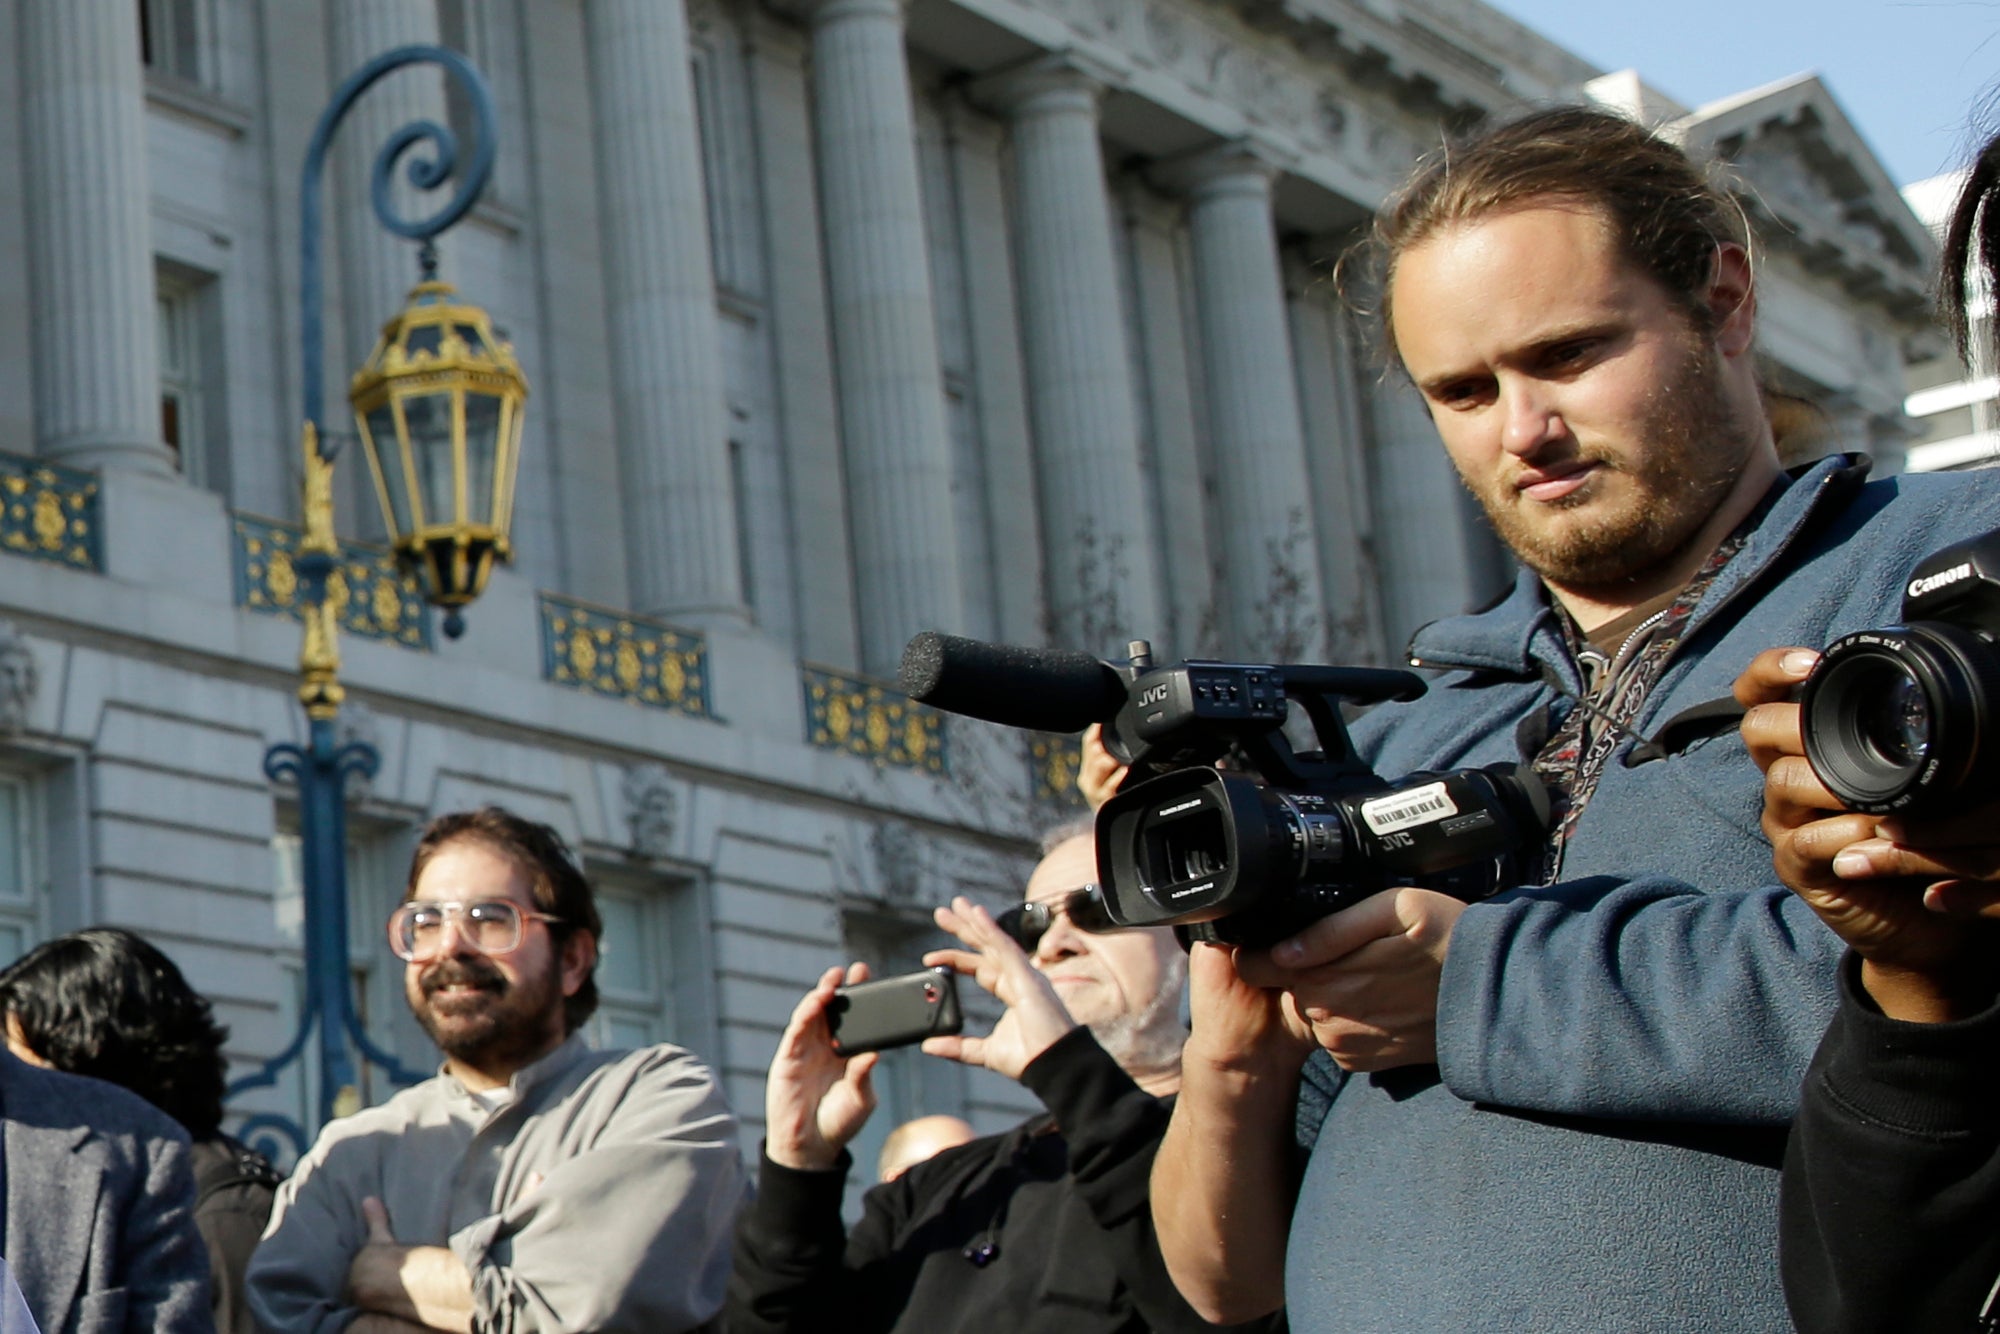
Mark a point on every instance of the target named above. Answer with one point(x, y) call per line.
point(1899, 720)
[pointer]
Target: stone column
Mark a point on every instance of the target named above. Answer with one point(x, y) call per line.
point(802, 344)
point(1101, 560)
point(1273, 604)
point(90, 252)
point(1336, 444)
point(1421, 531)
point(1171, 407)
point(666, 364)
point(899, 470)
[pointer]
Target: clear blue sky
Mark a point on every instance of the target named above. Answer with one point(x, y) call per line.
point(1910, 73)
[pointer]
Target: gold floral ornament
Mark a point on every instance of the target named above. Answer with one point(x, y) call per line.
point(50, 524)
point(1053, 761)
point(387, 604)
point(280, 579)
point(48, 511)
point(864, 718)
point(337, 593)
point(368, 595)
point(583, 653)
point(627, 657)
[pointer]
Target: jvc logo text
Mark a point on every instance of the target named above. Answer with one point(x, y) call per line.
point(1153, 695)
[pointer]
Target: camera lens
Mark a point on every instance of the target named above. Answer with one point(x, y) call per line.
point(1897, 724)
point(1896, 719)
point(1189, 849)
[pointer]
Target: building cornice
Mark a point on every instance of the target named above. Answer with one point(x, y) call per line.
point(1819, 192)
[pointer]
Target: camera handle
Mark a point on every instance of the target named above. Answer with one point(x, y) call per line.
point(1317, 689)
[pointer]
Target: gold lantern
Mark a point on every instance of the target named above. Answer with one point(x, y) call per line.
point(439, 406)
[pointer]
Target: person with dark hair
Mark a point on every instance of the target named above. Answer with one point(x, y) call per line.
point(1563, 1108)
point(534, 1185)
point(1891, 1203)
point(108, 1004)
point(100, 1230)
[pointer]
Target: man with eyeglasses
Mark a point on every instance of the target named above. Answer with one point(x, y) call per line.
point(534, 1184)
point(1044, 1226)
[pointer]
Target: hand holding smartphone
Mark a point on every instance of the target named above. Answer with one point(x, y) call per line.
point(894, 1011)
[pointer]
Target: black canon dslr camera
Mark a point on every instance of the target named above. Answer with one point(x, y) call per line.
point(1228, 856)
point(1901, 719)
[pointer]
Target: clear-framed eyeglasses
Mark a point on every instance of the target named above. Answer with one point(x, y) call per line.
point(491, 926)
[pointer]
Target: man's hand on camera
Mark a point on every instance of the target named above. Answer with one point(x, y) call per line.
point(1889, 888)
point(815, 1099)
point(1098, 773)
point(1366, 978)
point(1035, 1015)
point(1237, 1027)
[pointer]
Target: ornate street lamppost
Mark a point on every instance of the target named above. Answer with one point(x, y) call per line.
point(438, 406)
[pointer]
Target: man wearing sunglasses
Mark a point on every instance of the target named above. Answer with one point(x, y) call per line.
point(534, 1184)
point(1044, 1226)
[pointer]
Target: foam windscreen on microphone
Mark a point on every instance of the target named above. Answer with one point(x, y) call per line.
point(1045, 690)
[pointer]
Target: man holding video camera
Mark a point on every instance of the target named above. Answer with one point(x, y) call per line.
point(1564, 1107)
point(1044, 1226)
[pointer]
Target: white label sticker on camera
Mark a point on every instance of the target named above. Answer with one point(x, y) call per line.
point(1418, 805)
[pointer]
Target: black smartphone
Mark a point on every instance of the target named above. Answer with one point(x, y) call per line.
point(895, 1011)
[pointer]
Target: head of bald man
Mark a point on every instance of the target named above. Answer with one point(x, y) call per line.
point(915, 1141)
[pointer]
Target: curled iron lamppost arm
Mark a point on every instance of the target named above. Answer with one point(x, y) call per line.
point(321, 767)
point(426, 173)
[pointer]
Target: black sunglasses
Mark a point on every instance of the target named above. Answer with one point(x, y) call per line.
point(1026, 923)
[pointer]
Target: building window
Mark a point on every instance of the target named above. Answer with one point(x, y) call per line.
point(637, 976)
point(180, 381)
point(171, 37)
point(191, 388)
point(20, 862)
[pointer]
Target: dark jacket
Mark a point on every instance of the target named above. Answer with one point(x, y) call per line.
point(100, 1207)
point(1062, 1219)
point(1891, 1201)
point(1620, 1052)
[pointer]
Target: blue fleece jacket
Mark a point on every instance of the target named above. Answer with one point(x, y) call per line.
point(1619, 1053)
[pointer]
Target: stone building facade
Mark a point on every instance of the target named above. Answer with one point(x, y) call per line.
point(844, 319)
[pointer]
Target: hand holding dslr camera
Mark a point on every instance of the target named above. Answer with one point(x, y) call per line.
point(1880, 796)
point(1900, 720)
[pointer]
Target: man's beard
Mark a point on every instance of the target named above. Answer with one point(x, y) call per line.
point(499, 1024)
point(1151, 1038)
point(1681, 473)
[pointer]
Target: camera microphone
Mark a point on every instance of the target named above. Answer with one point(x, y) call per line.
point(1042, 690)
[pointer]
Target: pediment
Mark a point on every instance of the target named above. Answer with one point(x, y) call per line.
point(1817, 189)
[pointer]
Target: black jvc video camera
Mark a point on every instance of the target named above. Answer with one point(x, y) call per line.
point(1901, 719)
point(1244, 858)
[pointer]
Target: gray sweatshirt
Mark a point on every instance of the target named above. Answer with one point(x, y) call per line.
point(601, 1196)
